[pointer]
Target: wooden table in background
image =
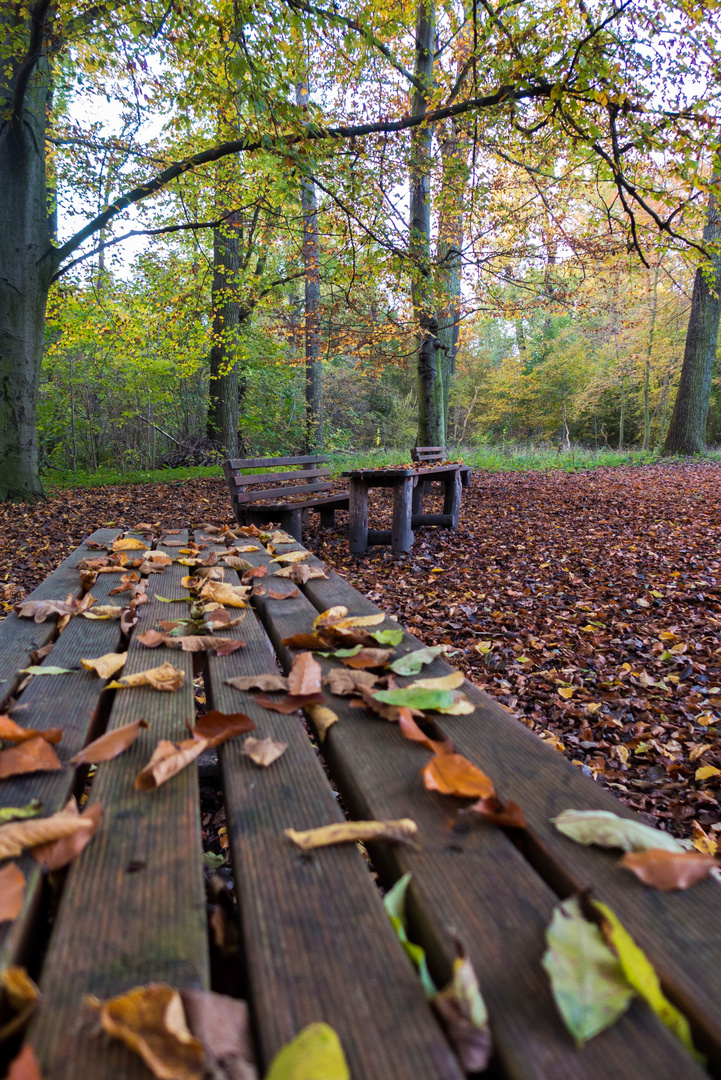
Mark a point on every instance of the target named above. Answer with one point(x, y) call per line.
point(408, 489)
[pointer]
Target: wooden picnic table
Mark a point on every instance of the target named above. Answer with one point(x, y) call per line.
point(316, 943)
point(408, 487)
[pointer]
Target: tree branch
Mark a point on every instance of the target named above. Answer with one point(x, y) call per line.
point(35, 51)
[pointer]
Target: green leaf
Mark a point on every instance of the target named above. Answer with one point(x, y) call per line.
point(587, 980)
point(416, 697)
point(388, 637)
point(174, 600)
point(38, 669)
point(212, 860)
point(395, 904)
point(314, 1054)
point(342, 652)
point(18, 813)
point(412, 662)
point(605, 829)
point(641, 976)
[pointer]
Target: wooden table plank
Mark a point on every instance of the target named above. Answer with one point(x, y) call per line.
point(680, 932)
point(480, 887)
point(133, 909)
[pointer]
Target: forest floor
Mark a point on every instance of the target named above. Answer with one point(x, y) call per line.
point(589, 604)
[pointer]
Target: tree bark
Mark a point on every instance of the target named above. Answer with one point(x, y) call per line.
point(450, 242)
point(223, 407)
point(431, 403)
point(687, 430)
point(311, 266)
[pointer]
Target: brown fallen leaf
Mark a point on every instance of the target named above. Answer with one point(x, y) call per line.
point(505, 814)
point(367, 658)
point(217, 727)
point(25, 1066)
point(236, 563)
point(19, 835)
point(156, 557)
point(168, 759)
point(267, 682)
point(98, 563)
point(304, 641)
point(292, 557)
point(22, 995)
point(106, 665)
point(40, 610)
point(222, 593)
point(410, 730)
point(88, 578)
point(290, 703)
point(32, 755)
point(127, 582)
point(274, 594)
point(464, 1016)
point(304, 676)
point(164, 677)
point(12, 891)
point(323, 718)
point(109, 745)
point(300, 574)
point(104, 611)
point(151, 639)
point(222, 1024)
point(254, 572)
point(669, 871)
point(342, 682)
point(348, 832)
point(58, 853)
point(151, 1021)
point(263, 751)
point(12, 732)
point(128, 618)
point(452, 774)
point(205, 642)
point(220, 619)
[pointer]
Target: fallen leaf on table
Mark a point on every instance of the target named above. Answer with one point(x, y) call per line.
point(12, 890)
point(222, 593)
point(20, 813)
point(12, 732)
point(641, 977)
point(37, 669)
point(263, 751)
point(342, 682)
point(332, 615)
point(280, 537)
point(219, 618)
point(267, 682)
point(452, 774)
point(388, 712)
point(506, 814)
point(106, 665)
point(463, 1013)
point(151, 1021)
point(587, 980)
point(414, 697)
point(236, 563)
point(22, 995)
point(25, 1065)
point(274, 594)
point(395, 904)
point(347, 832)
point(203, 643)
point(168, 759)
point(668, 870)
point(128, 618)
point(290, 703)
point(104, 611)
point(32, 755)
point(606, 829)
point(19, 835)
point(292, 557)
point(365, 658)
point(254, 572)
point(323, 718)
point(127, 582)
point(109, 745)
point(303, 641)
point(315, 1053)
point(387, 637)
point(410, 730)
point(56, 854)
point(222, 1024)
point(164, 677)
point(217, 727)
point(304, 676)
point(460, 705)
point(248, 547)
point(452, 681)
point(151, 639)
point(40, 610)
point(88, 578)
point(129, 543)
point(412, 662)
point(300, 574)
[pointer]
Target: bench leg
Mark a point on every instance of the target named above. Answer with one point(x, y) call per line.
point(358, 516)
point(327, 518)
point(418, 492)
point(402, 533)
point(452, 498)
point(292, 522)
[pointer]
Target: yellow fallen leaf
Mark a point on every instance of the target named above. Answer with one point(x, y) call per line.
point(706, 771)
point(19, 835)
point(292, 557)
point(129, 544)
point(444, 682)
point(565, 692)
point(248, 547)
point(151, 1021)
point(483, 646)
point(315, 1053)
point(322, 718)
point(103, 611)
point(22, 995)
point(223, 593)
point(698, 751)
point(164, 677)
point(168, 759)
point(348, 832)
point(106, 665)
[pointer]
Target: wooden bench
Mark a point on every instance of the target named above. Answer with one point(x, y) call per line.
point(316, 943)
point(287, 500)
point(431, 455)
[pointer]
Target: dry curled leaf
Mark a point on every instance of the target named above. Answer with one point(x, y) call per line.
point(164, 677)
point(222, 1024)
point(104, 611)
point(40, 610)
point(669, 871)
point(22, 995)
point(217, 727)
point(304, 676)
point(253, 572)
point(25, 1066)
point(109, 745)
point(106, 665)
point(367, 658)
point(342, 682)
point(263, 751)
point(410, 730)
point(32, 755)
point(464, 1015)
point(300, 574)
point(12, 891)
point(452, 774)
point(236, 563)
point(323, 718)
point(19, 835)
point(56, 854)
point(348, 832)
point(290, 703)
point(222, 593)
point(506, 814)
point(168, 759)
point(292, 557)
point(274, 594)
point(12, 732)
point(267, 682)
point(129, 543)
point(203, 643)
point(151, 639)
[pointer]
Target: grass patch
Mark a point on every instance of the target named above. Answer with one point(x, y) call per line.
point(55, 478)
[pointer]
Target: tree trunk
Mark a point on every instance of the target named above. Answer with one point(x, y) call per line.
point(647, 366)
point(223, 390)
point(27, 263)
point(311, 267)
point(450, 242)
point(431, 404)
point(687, 430)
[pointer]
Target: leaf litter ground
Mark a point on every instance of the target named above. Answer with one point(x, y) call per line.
point(586, 603)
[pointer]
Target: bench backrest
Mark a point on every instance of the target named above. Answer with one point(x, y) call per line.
point(250, 487)
point(429, 453)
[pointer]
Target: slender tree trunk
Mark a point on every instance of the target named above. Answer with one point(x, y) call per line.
point(687, 430)
point(450, 243)
point(311, 267)
point(647, 365)
point(622, 417)
point(431, 404)
point(223, 391)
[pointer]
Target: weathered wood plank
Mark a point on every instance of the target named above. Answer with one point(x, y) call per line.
point(266, 494)
point(244, 480)
point(401, 531)
point(133, 909)
point(269, 462)
point(358, 516)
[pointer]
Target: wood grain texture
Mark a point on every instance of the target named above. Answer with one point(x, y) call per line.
point(318, 943)
point(133, 908)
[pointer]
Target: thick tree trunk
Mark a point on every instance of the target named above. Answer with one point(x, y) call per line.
point(27, 263)
point(223, 408)
point(687, 430)
point(431, 403)
point(311, 266)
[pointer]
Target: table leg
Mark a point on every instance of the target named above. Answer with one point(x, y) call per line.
point(402, 533)
point(452, 497)
point(358, 516)
point(418, 492)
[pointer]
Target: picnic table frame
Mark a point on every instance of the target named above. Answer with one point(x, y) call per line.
point(317, 944)
point(408, 487)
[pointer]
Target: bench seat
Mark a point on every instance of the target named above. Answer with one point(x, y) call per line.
point(285, 497)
